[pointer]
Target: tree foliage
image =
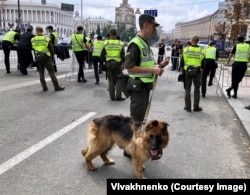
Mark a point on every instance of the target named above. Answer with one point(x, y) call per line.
point(236, 15)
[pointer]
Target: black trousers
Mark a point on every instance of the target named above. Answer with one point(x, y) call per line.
point(97, 62)
point(238, 72)
point(7, 47)
point(210, 70)
point(80, 57)
point(25, 58)
point(175, 62)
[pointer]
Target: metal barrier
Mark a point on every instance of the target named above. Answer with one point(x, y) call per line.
point(225, 77)
point(73, 67)
point(13, 58)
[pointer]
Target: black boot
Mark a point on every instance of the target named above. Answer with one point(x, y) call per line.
point(55, 68)
point(235, 94)
point(79, 78)
point(229, 91)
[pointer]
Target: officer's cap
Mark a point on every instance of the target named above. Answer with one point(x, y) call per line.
point(147, 18)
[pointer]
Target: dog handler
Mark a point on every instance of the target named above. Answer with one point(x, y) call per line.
point(141, 67)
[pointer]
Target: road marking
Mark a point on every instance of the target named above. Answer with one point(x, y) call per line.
point(38, 146)
point(26, 84)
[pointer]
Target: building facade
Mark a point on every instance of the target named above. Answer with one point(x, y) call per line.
point(124, 15)
point(91, 24)
point(203, 27)
point(221, 20)
point(35, 14)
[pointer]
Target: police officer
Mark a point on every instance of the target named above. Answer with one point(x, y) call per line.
point(9, 39)
point(80, 49)
point(211, 56)
point(241, 53)
point(43, 51)
point(141, 67)
point(96, 57)
point(193, 63)
point(114, 55)
point(54, 40)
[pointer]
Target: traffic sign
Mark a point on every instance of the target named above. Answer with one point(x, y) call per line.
point(151, 12)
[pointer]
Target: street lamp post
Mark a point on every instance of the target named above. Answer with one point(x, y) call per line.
point(19, 15)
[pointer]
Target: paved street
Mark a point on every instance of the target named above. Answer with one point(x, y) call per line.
point(42, 133)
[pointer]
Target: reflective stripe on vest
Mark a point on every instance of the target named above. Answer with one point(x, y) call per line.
point(97, 48)
point(147, 60)
point(77, 42)
point(210, 52)
point(193, 56)
point(40, 44)
point(242, 52)
point(9, 36)
point(113, 50)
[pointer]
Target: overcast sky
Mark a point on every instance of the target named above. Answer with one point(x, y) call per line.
point(169, 11)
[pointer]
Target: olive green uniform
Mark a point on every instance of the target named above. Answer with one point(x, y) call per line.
point(139, 97)
point(113, 66)
point(44, 60)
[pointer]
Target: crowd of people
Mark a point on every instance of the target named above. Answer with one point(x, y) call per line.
point(196, 64)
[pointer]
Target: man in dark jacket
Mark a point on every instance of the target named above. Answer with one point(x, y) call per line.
point(24, 51)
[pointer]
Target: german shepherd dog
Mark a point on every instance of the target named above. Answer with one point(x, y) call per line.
point(142, 142)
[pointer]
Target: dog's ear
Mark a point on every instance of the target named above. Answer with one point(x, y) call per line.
point(165, 126)
point(155, 123)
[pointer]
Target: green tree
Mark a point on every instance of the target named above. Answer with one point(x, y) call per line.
point(124, 36)
point(120, 28)
point(98, 30)
point(105, 31)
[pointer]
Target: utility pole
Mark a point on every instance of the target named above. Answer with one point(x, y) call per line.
point(81, 13)
point(19, 26)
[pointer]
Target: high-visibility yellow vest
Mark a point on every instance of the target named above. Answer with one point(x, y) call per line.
point(242, 52)
point(56, 37)
point(40, 43)
point(192, 56)
point(210, 52)
point(77, 42)
point(9, 36)
point(88, 40)
point(147, 60)
point(97, 48)
point(113, 50)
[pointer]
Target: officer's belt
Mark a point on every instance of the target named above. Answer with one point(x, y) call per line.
point(112, 61)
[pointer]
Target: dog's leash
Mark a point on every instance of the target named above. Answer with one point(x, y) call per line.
point(149, 101)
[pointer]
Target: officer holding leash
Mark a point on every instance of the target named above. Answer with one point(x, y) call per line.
point(141, 67)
